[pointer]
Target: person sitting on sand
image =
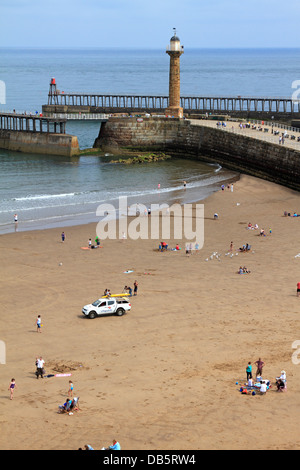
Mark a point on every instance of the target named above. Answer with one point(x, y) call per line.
point(250, 383)
point(263, 388)
point(66, 406)
point(245, 270)
point(164, 246)
point(245, 248)
point(282, 376)
point(115, 446)
point(280, 385)
point(241, 270)
point(262, 233)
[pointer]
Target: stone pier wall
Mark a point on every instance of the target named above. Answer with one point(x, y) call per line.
point(179, 137)
point(41, 143)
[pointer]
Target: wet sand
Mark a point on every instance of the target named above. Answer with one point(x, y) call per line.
point(164, 375)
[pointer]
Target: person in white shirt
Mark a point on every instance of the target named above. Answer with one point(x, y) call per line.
point(263, 387)
point(283, 375)
point(250, 383)
point(38, 324)
point(40, 367)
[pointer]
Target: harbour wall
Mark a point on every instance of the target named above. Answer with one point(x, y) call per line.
point(181, 138)
point(41, 143)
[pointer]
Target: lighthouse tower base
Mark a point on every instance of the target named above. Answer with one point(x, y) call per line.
point(174, 111)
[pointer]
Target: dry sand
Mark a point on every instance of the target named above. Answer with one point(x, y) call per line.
point(164, 375)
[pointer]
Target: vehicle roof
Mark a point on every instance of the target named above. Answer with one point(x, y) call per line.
point(113, 298)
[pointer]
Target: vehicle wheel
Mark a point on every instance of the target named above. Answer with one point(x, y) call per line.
point(120, 312)
point(92, 314)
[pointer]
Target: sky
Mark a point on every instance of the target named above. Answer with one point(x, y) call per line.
point(149, 24)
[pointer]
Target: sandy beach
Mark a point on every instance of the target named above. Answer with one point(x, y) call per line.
point(163, 376)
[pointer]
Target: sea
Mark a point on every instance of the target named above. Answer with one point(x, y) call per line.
point(50, 191)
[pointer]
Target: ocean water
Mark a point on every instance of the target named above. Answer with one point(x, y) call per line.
point(49, 191)
point(53, 191)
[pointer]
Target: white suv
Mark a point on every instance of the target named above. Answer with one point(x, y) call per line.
point(107, 306)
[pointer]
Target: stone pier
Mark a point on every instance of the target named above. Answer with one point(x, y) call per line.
point(36, 134)
point(251, 151)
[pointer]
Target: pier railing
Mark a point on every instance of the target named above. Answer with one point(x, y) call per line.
point(80, 116)
point(210, 104)
point(32, 123)
point(240, 104)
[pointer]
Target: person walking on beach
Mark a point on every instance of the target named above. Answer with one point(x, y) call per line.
point(298, 289)
point(135, 288)
point(16, 218)
point(12, 387)
point(249, 371)
point(259, 364)
point(63, 237)
point(38, 324)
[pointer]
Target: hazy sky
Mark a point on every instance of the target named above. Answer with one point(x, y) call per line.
point(149, 24)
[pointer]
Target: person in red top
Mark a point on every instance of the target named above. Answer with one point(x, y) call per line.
point(298, 289)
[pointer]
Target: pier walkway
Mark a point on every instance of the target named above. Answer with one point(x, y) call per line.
point(267, 132)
